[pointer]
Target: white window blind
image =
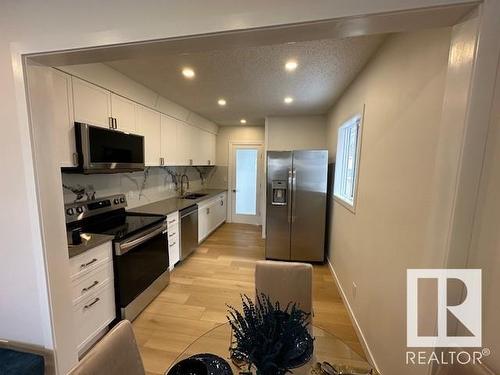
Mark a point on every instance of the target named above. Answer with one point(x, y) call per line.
point(347, 161)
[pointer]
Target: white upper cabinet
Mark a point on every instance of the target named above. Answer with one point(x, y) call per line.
point(149, 125)
point(213, 148)
point(92, 104)
point(52, 112)
point(206, 147)
point(169, 141)
point(125, 113)
point(184, 144)
point(196, 145)
point(63, 119)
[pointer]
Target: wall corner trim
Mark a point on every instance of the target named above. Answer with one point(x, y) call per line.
point(353, 319)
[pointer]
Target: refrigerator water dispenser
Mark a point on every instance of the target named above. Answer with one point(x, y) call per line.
point(279, 193)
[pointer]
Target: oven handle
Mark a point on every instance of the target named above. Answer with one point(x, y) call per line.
point(125, 247)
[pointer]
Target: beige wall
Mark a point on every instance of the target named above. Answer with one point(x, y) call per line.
point(295, 132)
point(485, 247)
point(235, 133)
point(402, 89)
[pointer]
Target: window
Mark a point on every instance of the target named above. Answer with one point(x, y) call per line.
point(346, 164)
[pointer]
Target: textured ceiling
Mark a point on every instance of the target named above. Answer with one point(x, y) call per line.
point(253, 79)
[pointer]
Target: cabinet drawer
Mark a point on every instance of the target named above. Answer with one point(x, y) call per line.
point(90, 260)
point(91, 281)
point(174, 241)
point(173, 227)
point(173, 252)
point(173, 219)
point(173, 231)
point(93, 313)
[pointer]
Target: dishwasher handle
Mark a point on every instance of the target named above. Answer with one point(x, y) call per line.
point(188, 211)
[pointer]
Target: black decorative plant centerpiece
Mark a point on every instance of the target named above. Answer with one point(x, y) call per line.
point(272, 339)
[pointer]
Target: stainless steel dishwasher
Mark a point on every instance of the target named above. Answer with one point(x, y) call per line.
point(189, 230)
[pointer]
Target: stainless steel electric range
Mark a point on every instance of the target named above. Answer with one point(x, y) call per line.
point(140, 248)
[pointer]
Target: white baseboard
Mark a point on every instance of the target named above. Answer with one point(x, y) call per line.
point(357, 328)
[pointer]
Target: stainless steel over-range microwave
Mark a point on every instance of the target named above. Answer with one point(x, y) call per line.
point(102, 150)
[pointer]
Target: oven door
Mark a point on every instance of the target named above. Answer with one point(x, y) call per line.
point(140, 262)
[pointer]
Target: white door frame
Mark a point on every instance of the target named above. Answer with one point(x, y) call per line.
point(230, 176)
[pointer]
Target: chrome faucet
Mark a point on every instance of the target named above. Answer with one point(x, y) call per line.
point(182, 184)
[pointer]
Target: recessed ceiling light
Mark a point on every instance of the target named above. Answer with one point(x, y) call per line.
point(221, 102)
point(243, 121)
point(288, 100)
point(188, 73)
point(291, 65)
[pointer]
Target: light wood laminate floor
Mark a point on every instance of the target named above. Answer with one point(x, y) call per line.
point(215, 275)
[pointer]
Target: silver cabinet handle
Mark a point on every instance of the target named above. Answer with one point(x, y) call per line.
point(172, 244)
point(171, 221)
point(84, 290)
point(88, 264)
point(171, 234)
point(75, 158)
point(222, 203)
point(116, 122)
point(92, 303)
point(111, 123)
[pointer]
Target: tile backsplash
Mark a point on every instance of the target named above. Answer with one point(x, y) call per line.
point(152, 184)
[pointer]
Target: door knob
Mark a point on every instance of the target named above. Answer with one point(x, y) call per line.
point(234, 190)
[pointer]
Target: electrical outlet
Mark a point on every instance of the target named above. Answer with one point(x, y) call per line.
point(354, 290)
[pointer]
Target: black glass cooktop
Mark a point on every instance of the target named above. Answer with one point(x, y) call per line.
point(120, 224)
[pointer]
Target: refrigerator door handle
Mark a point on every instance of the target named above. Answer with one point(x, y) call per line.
point(294, 186)
point(290, 188)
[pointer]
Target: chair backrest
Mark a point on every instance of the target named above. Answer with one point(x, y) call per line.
point(116, 354)
point(285, 282)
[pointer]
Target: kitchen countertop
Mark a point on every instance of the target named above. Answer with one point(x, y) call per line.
point(167, 206)
point(89, 241)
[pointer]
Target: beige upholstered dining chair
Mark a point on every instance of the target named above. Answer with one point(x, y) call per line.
point(285, 282)
point(116, 354)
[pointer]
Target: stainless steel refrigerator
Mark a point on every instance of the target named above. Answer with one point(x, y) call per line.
point(296, 205)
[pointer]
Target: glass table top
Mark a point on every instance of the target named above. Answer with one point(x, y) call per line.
point(327, 348)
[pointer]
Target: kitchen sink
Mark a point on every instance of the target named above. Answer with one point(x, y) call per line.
point(194, 196)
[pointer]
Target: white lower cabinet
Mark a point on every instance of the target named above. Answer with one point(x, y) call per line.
point(93, 294)
point(211, 214)
point(93, 315)
point(173, 238)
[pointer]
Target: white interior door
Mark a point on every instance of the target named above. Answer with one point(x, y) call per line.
point(245, 183)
